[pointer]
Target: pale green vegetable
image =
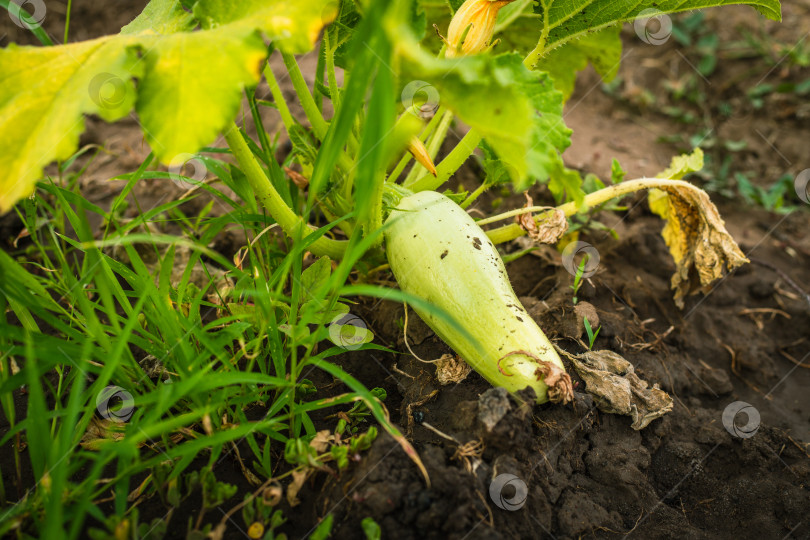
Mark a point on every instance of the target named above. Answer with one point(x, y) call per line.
point(438, 253)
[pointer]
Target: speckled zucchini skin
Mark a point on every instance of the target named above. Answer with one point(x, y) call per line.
point(438, 252)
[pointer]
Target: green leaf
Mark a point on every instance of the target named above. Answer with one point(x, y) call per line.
point(189, 82)
point(316, 275)
point(192, 87)
point(549, 134)
point(371, 529)
point(603, 49)
point(44, 91)
point(617, 173)
point(511, 13)
point(565, 182)
point(564, 20)
point(683, 165)
point(161, 17)
point(324, 529)
point(294, 25)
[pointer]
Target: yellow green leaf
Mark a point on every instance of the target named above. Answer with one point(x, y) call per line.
point(44, 91)
point(192, 86)
point(185, 84)
point(294, 25)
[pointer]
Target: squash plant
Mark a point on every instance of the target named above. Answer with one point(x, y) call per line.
point(183, 66)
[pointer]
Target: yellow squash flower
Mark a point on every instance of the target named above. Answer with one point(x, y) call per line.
point(479, 16)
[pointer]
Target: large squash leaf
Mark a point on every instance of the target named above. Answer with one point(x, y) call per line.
point(44, 91)
point(517, 111)
point(192, 86)
point(185, 84)
point(293, 24)
point(602, 49)
point(564, 20)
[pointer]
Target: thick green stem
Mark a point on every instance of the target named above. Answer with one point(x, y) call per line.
point(278, 97)
point(330, 71)
point(444, 170)
point(314, 115)
point(437, 138)
point(334, 89)
point(537, 53)
point(319, 125)
point(290, 222)
point(470, 141)
point(513, 230)
point(319, 69)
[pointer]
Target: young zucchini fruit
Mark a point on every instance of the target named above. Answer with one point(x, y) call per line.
point(438, 253)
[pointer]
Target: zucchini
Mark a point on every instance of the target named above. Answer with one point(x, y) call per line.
point(438, 253)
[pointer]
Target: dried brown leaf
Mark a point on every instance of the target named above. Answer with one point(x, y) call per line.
point(560, 388)
point(548, 231)
point(696, 235)
point(298, 179)
point(616, 388)
point(272, 494)
point(321, 441)
point(298, 479)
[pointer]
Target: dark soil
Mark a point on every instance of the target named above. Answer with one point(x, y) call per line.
point(587, 473)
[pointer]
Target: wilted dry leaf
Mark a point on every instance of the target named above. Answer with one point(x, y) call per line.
point(548, 231)
point(321, 441)
point(298, 179)
point(272, 494)
point(299, 477)
point(616, 389)
point(701, 246)
point(451, 369)
point(695, 234)
point(560, 388)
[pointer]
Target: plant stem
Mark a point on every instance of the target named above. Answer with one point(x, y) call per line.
point(516, 212)
point(534, 57)
point(475, 194)
point(437, 138)
point(314, 116)
point(344, 162)
point(67, 20)
point(449, 165)
point(319, 69)
point(330, 71)
point(272, 201)
point(513, 230)
point(278, 97)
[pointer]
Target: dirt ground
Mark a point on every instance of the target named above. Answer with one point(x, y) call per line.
point(587, 473)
